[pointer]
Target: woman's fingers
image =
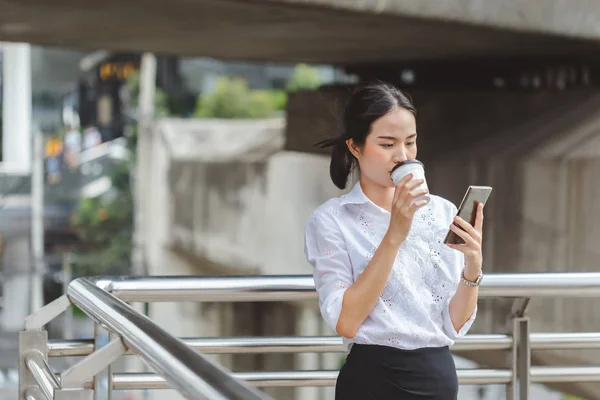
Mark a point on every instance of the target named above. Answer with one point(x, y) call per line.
point(400, 187)
point(403, 190)
point(413, 195)
point(414, 183)
point(416, 205)
point(467, 227)
point(471, 235)
point(459, 247)
point(469, 240)
point(479, 218)
point(408, 205)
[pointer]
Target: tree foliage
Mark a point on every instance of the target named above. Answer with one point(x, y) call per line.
point(304, 77)
point(233, 99)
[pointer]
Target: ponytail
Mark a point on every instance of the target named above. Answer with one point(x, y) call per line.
point(367, 104)
point(342, 160)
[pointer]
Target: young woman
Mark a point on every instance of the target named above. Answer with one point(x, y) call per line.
point(386, 281)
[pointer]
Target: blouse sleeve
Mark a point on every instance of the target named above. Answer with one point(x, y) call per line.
point(457, 267)
point(449, 327)
point(325, 250)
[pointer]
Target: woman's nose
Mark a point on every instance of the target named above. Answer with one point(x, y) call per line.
point(400, 156)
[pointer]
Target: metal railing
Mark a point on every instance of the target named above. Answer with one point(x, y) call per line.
point(179, 363)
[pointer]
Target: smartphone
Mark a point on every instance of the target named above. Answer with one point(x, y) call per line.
point(468, 209)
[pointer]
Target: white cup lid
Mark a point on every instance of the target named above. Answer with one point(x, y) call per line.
point(405, 163)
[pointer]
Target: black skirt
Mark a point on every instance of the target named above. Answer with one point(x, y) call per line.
point(373, 372)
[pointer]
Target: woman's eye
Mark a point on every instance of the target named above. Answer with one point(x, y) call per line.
point(410, 143)
point(387, 145)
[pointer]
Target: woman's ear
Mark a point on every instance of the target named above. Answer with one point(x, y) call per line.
point(353, 148)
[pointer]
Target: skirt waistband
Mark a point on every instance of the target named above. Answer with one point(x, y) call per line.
point(388, 351)
point(383, 372)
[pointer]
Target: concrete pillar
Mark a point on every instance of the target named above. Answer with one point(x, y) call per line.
point(139, 256)
point(37, 224)
point(16, 107)
point(16, 263)
point(146, 111)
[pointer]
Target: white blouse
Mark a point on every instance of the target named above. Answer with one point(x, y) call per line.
point(412, 312)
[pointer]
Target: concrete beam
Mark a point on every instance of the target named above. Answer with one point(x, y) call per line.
point(314, 31)
point(574, 18)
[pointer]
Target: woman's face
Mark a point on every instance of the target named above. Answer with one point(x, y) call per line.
point(393, 139)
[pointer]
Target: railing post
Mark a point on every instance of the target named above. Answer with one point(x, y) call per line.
point(96, 381)
point(518, 389)
point(74, 379)
point(111, 337)
point(28, 341)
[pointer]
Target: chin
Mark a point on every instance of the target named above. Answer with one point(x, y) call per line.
point(388, 183)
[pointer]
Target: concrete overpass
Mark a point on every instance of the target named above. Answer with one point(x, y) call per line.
point(342, 32)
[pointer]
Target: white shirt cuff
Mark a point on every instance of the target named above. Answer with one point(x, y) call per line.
point(449, 327)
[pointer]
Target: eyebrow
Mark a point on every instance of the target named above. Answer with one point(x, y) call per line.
point(414, 135)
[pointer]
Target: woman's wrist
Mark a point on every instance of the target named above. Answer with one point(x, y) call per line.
point(393, 238)
point(472, 269)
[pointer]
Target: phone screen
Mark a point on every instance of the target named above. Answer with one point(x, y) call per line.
point(468, 209)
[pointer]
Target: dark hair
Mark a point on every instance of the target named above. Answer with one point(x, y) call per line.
point(367, 103)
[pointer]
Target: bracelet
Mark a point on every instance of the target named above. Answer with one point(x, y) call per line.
point(471, 283)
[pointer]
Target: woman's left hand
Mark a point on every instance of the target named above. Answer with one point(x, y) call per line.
point(472, 235)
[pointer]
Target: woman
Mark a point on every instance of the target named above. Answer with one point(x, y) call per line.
point(387, 284)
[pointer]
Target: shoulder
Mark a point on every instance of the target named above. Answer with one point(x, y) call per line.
point(322, 226)
point(326, 213)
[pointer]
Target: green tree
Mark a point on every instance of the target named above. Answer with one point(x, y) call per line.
point(233, 99)
point(105, 227)
point(304, 77)
point(277, 98)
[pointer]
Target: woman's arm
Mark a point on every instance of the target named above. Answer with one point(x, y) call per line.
point(360, 298)
point(463, 303)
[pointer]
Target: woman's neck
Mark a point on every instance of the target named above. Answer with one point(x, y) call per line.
point(378, 194)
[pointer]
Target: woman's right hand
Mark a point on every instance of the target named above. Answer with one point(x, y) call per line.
point(404, 207)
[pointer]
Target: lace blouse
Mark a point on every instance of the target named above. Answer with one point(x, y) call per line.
point(413, 310)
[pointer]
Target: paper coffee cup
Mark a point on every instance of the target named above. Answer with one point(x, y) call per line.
point(414, 167)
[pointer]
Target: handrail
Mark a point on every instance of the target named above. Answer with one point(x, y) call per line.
point(103, 300)
point(334, 344)
point(275, 344)
point(140, 381)
point(301, 287)
point(187, 371)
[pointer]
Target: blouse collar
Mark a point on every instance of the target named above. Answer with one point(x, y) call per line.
point(357, 196)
